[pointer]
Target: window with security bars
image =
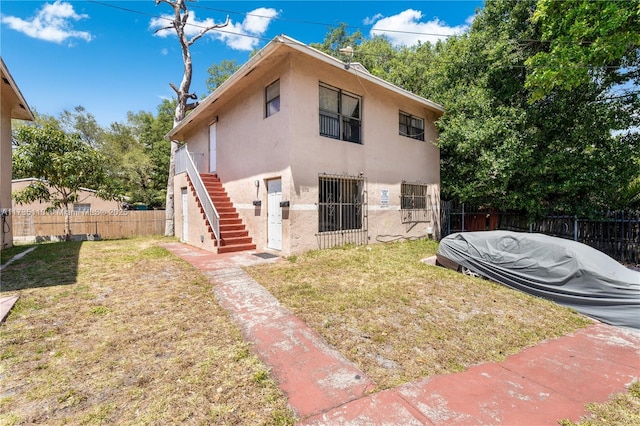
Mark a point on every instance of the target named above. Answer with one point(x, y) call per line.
point(414, 196)
point(340, 114)
point(340, 202)
point(415, 202)
point(412, 127)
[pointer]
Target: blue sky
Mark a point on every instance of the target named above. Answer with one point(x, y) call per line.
point(104, 55)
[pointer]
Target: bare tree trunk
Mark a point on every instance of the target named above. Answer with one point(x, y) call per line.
point(181, 15)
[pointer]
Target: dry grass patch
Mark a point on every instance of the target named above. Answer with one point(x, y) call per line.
point(124, 332)
point(622, 410)
point(400, 320)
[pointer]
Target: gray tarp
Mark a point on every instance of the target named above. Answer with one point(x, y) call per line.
point(567, 272)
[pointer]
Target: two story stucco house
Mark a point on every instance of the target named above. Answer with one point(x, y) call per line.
point(298, 150)
point(12, 106)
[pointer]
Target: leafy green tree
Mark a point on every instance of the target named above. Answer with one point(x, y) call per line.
point(127, 163)
point(594, 43)
point(219, 73)
point(584, 40)
point(63, 161)
point(149, 131)
point(83, 123)
point(338, 38)
point(137, 155)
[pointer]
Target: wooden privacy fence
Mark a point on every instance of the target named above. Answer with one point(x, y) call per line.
point(616, 233)
point(29, 224)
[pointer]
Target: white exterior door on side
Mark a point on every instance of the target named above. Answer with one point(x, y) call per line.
point(212, 148)
point(274, 213)
point(185, 215)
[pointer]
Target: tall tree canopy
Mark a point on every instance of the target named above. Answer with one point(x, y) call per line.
point(503, 145)
point(135, 153)
point(583, 40)
point(219, 73)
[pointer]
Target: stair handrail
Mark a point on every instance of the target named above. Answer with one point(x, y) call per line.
point(203, 195)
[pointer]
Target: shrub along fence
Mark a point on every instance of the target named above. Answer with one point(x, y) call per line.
point(30, 225)
point(616, 233)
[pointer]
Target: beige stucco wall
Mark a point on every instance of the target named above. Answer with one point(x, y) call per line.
point(6, 235)
point(12, 106)
point(84, 197)
point(288, 146)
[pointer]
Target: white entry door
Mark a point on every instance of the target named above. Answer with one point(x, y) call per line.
point(212, 148)
point(185, 215)
point(274, 213)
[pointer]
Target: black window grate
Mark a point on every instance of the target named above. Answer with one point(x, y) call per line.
point(342, 210)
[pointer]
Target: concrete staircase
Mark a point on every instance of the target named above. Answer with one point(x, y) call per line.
point(233, 234)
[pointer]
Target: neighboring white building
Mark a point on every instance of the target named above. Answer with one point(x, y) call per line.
point(312, 153)
point(12, 106)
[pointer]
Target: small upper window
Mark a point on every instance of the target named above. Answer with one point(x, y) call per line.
point(411, 126)
point(81, 207)
point(272, 96)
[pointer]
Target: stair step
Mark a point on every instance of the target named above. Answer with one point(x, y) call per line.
point(229, 216)
point(235, 248)
point(220, 199)
point(238, 233)
point(232, 227)
point(226, 211)
point(235, 241)
point(240, 239)
point(233, 233)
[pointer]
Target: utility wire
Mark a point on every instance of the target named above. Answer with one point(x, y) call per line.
point(151, 15)
point(305, 22)
point(371, 27)
point(126, 9)
point(298, 21)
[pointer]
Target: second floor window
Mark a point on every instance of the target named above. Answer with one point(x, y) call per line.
point(340, 114)
point(272, 96)
point(411, 126)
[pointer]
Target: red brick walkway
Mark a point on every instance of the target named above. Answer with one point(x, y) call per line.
point(539, 386)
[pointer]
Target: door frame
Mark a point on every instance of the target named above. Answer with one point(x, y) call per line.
point(273, 228)
point(213, 147)
point(185, 213)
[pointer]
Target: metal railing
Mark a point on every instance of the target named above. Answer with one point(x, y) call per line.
point(616, 233)
point(181, 160)
point(185, 163)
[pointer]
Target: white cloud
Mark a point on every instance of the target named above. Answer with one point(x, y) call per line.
point(406, 28)
point(51, 23)
point(373, 19)
point(237, 35)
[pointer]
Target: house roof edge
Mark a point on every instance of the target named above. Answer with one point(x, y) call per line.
point(274, 44)
point(22, 103)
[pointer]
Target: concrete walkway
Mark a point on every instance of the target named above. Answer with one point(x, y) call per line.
point(7, 302)
point(538, 386)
